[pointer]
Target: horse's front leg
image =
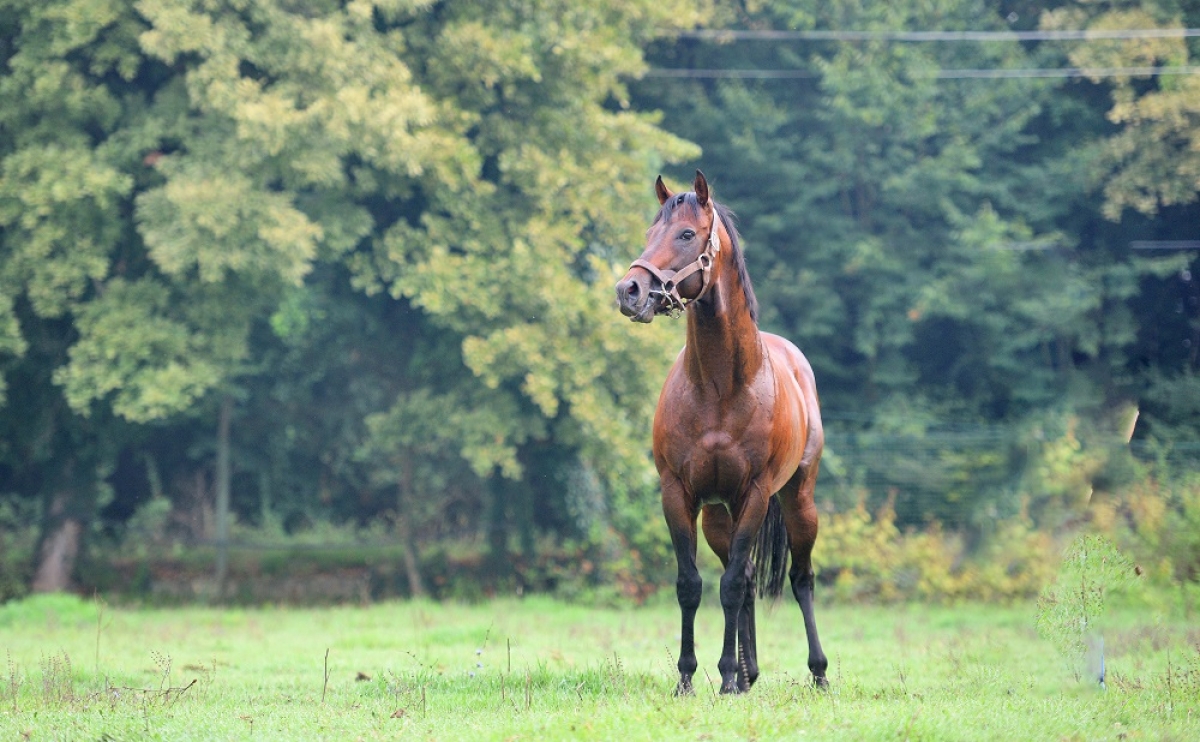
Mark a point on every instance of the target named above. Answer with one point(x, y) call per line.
point(680, 513)
point(736, 583)
point(718, 531)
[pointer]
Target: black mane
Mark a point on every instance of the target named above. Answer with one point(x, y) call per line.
point(735, 241)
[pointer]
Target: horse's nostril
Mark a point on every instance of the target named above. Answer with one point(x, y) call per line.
point(632, 290)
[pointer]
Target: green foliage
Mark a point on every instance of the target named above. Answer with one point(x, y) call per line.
point(1172, 407)
point(133, 350)
point(1157, 521)
point(937, 246)
point(17, 539)
point(1151, 161)
point(389, 232)
point(868, 558)
point(214, 171)
point(1072, 608)
point(1066, 461)
point(147, 526)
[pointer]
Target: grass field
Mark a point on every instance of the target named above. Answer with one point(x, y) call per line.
point(539, 669)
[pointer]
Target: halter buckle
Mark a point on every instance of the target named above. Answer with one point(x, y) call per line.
point(668, 295)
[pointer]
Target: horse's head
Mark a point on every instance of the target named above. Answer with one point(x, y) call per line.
point(681, 247)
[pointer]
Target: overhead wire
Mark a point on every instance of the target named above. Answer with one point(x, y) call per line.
point(936, 36)
point(985, 73)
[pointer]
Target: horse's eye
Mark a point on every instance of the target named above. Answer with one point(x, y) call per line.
point(687, 234)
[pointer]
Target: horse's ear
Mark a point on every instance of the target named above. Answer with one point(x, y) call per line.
point(701, 189)
point(661, 190)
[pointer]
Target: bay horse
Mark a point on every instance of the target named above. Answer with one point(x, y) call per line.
point(737, 431)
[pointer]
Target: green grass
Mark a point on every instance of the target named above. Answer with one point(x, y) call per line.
point(539, 669)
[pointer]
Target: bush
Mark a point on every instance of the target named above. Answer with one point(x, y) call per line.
point(867, 558)
point(17, 539)
point(1157, 521)
point(1071, 608)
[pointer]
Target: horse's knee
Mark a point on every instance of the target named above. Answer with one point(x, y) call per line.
point(733, 589)
point(688, 588)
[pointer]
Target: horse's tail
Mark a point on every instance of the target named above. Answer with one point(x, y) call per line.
point(770, 552)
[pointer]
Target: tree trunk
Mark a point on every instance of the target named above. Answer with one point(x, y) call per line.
point(59, 548)
point(497, 526)
point(412, 566)
point(223, 476)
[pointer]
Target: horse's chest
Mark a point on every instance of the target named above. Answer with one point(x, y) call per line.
point(720, 452)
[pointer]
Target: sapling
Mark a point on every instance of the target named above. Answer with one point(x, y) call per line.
point(1070, 608)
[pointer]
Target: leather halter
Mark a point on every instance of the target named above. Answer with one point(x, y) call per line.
point(671, 279)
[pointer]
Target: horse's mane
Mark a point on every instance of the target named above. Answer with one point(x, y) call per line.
point(727, 218)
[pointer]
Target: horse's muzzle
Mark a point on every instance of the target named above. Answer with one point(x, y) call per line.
point(635, 299)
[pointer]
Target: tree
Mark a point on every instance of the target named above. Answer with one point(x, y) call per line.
point(932, 242)
point(64, 184)
point(1153, 160)
point(1149, 174)
point(178, 173)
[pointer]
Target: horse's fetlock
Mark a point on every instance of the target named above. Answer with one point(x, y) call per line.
point(687, 667)
point(818, 666)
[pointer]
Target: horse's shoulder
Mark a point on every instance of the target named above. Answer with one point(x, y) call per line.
point(786, 358)
point(784, 351)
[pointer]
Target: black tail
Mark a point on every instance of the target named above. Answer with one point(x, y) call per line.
point(770, 553)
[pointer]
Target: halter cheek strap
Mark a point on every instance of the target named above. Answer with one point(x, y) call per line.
point(670, 280)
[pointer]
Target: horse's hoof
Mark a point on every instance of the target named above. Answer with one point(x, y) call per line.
point(684, 689)
point(730, 689)
point(820, 681)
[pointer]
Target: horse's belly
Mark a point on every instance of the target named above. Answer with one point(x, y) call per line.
point(788, 435)
point(787, 461)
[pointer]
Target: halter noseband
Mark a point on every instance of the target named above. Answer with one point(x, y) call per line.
point(670, 280)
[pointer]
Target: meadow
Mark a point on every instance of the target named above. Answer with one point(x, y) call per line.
point(537, 668)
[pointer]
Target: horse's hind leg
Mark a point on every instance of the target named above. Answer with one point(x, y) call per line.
point(680, 514)
point(718, 531)
point(800, 518)
point(748, 651)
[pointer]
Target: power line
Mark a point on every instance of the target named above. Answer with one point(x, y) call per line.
point(1165, 245)
point(723, 73)
point(985, 73)
point(936, 36)
point(1094, 72)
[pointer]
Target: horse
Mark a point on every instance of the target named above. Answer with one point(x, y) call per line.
point(737, 431)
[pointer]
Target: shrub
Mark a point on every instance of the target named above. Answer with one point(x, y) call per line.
point(1070, 608)
point(867, 558)
point(1157, 521)
point(17, 538)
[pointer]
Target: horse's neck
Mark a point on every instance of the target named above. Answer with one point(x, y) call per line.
point(724, 351)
